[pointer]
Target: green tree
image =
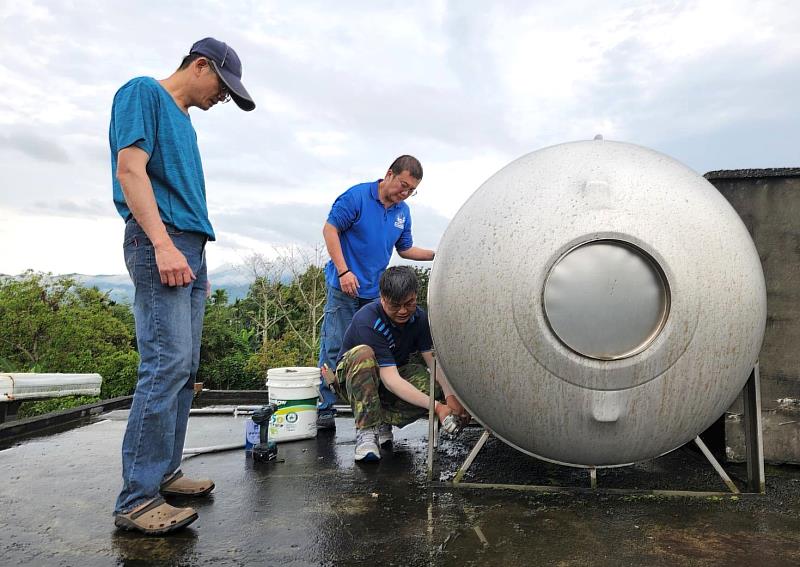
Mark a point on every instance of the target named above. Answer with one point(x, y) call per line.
point(53, 324)
point(423, 276)
point(226, 348)
point(285, 305)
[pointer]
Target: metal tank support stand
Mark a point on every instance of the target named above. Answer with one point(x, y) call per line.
point(753, 441)
point(432, 433)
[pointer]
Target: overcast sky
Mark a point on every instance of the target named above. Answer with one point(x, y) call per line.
point(342, 88)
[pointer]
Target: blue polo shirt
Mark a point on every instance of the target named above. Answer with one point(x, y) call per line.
point(393, 344)
point(146, 116)
point(368, 232)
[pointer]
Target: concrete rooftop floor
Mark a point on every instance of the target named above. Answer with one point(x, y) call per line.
point(316, 507)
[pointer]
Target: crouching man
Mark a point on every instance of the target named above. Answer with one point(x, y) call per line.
point(373, 372)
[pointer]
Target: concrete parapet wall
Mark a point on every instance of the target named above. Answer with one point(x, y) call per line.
point(768, 201)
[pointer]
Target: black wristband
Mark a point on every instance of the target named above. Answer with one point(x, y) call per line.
point(344, 272)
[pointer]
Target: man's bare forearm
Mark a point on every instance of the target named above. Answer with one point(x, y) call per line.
point(348, 282)
point(416, 253)
point(440, 377)
point(401, 388)
point(173, 268)
point(407, 392)
point(139, 196)
point(142, 203)
point(334, 246)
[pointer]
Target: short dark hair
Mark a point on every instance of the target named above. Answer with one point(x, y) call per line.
point(189, 59)
point(409, 164)
point(398, 282)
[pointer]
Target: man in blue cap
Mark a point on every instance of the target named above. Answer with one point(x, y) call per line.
point(160, 191)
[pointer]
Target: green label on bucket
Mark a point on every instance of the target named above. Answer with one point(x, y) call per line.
point(294, 419)
point(295, 405)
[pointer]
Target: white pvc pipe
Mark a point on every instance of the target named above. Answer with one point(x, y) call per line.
point(33, 386)
point(223, 410)
point(212, 411)
point(194, 451)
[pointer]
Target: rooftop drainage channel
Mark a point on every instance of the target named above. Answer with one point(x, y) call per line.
point(64, 419)
point(20, 429)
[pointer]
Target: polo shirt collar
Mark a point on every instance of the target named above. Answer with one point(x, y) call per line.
point(374, 192)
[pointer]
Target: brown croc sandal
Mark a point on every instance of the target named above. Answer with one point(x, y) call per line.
point(155, 518)
point(179, 485)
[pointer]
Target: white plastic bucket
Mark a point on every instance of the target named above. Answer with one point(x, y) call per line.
point(295, 391)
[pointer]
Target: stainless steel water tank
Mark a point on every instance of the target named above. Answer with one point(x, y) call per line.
point(597, 303)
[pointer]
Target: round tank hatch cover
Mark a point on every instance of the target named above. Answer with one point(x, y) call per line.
point(606, 299)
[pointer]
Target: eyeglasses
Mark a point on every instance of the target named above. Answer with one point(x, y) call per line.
point(408, 189)
point(409, 305)
point(224, 94)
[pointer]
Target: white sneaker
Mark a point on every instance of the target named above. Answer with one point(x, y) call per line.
point(367, 445)
point(385, 436)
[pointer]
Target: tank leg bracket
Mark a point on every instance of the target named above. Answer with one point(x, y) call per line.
point(717, 467)
point(471, 457)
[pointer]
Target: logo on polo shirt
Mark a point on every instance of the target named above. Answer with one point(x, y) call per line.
point(400, 220)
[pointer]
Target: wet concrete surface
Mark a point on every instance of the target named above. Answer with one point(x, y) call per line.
point(317, 507)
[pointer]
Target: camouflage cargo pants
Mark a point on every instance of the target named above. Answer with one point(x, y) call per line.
point(359, 382)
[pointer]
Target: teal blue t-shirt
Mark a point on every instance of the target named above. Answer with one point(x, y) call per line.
point(145, 115)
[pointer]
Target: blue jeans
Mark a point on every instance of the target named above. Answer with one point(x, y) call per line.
point(339, 311)
point(169, 324)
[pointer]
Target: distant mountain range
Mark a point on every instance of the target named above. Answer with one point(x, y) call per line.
point(234, 279)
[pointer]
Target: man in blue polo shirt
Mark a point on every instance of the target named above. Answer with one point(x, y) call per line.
point(160, 192)
point(365, 224)
point(373, 371)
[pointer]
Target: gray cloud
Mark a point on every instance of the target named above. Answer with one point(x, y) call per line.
point(91, 208)
point(427, 226)
point(727, 111)
point(277, 224)
point(261, 176)
point(289, 223)
point(341, 91)
point(34, 146)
